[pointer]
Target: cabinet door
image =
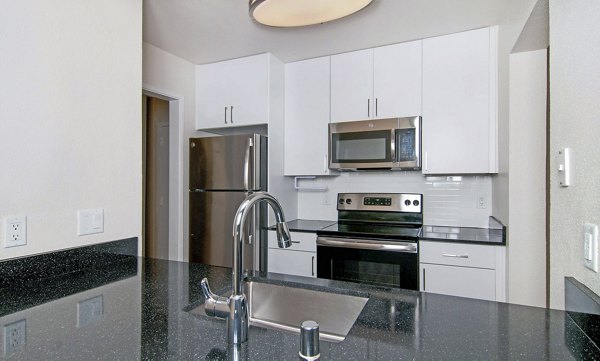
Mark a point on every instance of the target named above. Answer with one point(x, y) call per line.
point(307, 117)
point(212, 96)
point(249, 90)
point(458, 103)
point(397, 80)
point(295, 263)
point(459, 281)
point(352, 86)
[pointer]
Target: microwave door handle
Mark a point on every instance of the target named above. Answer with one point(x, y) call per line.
point(393, 147)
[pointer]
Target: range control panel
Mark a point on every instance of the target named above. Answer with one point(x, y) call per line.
point(388, 202)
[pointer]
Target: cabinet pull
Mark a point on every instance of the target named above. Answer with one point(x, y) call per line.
point(225, 115)
point(325, 163)
point(368, 108)
point(376, 105)
point(455, 255)
point(231, 114)
point(425, 165)
point(312, 265)
point(423, 279)
point(295, 241)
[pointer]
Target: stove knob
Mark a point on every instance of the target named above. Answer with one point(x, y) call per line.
point(407, 202)
point(341, 201)
point(415, 202)
point(348, 201)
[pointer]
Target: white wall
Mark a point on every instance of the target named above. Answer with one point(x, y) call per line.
point(169, 75)
point(574, 123)
point(447, 201)
point(527, 184)
point(70, 119)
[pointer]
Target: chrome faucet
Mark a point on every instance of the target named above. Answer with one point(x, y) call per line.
point(235, 308)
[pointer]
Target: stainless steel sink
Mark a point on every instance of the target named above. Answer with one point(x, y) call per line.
point(285, 308)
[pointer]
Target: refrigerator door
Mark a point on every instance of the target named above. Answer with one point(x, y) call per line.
point(211, 229)
point(228, 162)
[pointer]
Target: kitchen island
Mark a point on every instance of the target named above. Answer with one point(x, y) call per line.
point(137, 308)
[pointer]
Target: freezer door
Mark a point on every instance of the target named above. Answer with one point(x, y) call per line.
point(211, 229)
point(227, 162)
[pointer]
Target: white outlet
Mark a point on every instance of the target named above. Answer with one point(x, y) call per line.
point(15, 231)
point(481, 202)
point(325, 199)
point(15, 337)
point(590, 246)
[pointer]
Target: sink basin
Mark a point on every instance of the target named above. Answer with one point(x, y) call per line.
point(285, 308)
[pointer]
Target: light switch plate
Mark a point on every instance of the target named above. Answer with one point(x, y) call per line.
point(90, 221)
point(564, 167)
point(590, 246)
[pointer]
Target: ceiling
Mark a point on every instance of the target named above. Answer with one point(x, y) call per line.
point(204, 31)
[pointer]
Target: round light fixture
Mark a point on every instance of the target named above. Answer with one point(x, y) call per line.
point(291, 13)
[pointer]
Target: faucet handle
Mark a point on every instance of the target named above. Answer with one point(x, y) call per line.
point(214, 305)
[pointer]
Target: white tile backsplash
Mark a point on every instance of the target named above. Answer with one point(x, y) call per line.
point(447, 200)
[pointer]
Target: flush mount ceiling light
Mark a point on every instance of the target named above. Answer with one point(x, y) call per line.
point(291, 13)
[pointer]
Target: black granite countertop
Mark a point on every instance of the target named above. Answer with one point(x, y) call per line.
point(306, 225)
point(139, 312)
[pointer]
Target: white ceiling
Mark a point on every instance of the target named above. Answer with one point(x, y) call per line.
point(204, 31)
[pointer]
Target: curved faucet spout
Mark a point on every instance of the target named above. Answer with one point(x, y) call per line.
point(283, 233)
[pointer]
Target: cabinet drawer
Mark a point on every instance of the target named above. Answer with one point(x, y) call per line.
point(300, 241)
point(459, 281)
point(295, 263)
point(456, 254)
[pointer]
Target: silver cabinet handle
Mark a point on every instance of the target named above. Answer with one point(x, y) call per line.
point(297, 242)
point(231, 114)
point(368, 108)
point(376, 101)
point(455, 255)
point(225, 115)
point(325, 163)
point(312, 266)
point(424, 280)
point(402, 247)
point(425, 165)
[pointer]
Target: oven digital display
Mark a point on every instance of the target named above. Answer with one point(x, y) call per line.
point(377, 201)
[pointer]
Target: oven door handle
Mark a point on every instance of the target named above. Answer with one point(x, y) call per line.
point(403, 247)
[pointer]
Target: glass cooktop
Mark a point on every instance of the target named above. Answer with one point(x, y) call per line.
point(372, 230)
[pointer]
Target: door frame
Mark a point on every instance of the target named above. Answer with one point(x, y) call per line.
point(176, 127)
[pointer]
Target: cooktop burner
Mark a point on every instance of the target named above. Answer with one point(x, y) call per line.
point(372, 230)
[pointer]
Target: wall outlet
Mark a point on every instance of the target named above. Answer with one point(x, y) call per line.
point(90, 311)
point(15, 337)
point(325, 199)
point(90, 221)
point(590, 246)
point(482, 202)
point(15, 231)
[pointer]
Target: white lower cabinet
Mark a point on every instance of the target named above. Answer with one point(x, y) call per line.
point(464, 270)
point(299, 260)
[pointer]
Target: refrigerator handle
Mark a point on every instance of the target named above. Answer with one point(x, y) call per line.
point(247, 164)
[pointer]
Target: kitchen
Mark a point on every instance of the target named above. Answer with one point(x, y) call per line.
point(76, 140)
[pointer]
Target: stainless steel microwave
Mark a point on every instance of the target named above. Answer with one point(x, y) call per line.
point(393, 143)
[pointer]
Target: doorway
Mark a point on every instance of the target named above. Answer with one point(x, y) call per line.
point(156, 177)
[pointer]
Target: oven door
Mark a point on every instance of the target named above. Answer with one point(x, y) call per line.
point(365, 144)
point(381, 263)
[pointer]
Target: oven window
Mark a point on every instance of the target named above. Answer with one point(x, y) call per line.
point(362, 147)
point(381, 274)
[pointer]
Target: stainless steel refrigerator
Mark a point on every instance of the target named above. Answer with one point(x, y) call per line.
point(223, 171)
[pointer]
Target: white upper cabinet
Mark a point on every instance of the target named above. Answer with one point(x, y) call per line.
point(459, 103)
point(398, 80)
point(307, 117)
point(383, 82)
point(234, 92)
point(352, 86)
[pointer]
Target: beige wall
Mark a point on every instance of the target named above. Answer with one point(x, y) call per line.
point(527, 183)
point(70, 119)
point(574, 123)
